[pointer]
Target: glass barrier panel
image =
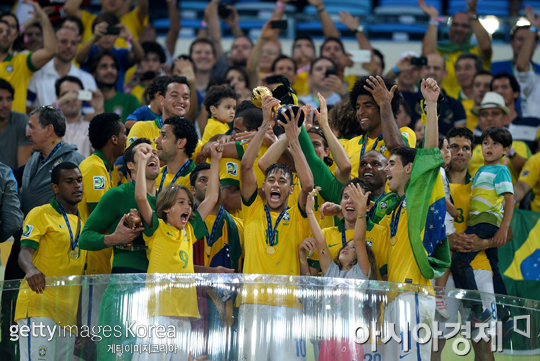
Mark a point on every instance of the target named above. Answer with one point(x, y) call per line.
point(242, 317)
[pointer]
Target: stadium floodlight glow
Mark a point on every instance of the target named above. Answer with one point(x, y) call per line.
point(522, 21)
point(490, 23)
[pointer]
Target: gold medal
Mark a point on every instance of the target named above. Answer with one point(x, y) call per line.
point(74, 254)
point(393, 241)
point(270, 250)
point(208, 250)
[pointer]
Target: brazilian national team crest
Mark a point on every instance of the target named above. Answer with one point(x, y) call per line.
point(384, 205)
point(42, 352)
point(232, 168)
point(383, 149)
point(286, 217)
point(9, 68)
point(58, 161)
point(99, 183)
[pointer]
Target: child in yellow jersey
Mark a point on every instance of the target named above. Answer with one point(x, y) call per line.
point(354, 260)
point(169, 234)
point(220, 102)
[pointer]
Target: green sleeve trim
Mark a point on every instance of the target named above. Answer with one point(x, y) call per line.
point(29, 63)
point(314, 264)
point(230, 182)
point(251, 199)
point(92, 206)
point(29, 243)
point(199, 227)
point(149, 230)
point(383, 270)
point(239, 149)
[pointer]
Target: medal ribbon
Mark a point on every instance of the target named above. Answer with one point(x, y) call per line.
point(395, 219)
point(379, 138)
point(75, 242)
point(210, 238)
point(343, 237)
point(272, 230)
point(176, 176)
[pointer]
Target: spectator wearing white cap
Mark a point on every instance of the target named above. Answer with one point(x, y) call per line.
point(492, 112)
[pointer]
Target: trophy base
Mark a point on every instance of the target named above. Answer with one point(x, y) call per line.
point(295, 110)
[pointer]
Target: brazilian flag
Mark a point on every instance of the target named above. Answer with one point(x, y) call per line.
point(519, 263)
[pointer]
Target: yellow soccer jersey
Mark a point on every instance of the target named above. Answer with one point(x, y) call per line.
point(217, 254)
point(214, 127)
point(182, 180)
point(349, 81)
point(472, 120)
point(17, 70)
point(284, 260)
point(131, 20)
point(354, 147)
point(138, 91)
point(301, 85)
point(146, 129)
point(450, 83)
point(46, 231)
point(96, 181)
point(461, 194)
point(171, 251)
point(530, 174)
point(478, 159)
point(402, 267)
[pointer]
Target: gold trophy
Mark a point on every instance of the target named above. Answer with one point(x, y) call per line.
point(133, 220)
point(286, 96)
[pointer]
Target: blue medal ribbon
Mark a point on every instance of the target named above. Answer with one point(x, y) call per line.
point(395, 219)
point(210, 238)
point(343, 237)
point(176, 176)
point(363, 150)
point(75, 242)
point(272, 230)
point(55, 149)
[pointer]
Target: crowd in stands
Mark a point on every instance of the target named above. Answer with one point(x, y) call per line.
point(122, 155)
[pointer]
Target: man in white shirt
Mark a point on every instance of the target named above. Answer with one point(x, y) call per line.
point(41, 86)
point(67, 92)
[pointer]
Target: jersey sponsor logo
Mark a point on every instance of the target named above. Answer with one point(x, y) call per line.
point(332, 245)
point(61, 226)
point(99, 182)
point(27, 230)
point(525, 173)
point(131, 140)
point(42, 351)
point(232, 168)
point(170, 234)
point(406, 135)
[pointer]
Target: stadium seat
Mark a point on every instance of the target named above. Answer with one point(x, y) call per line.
point(404, 7)
point(333, 9)
point(492, 7)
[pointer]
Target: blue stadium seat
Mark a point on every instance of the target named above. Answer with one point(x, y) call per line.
point(336, 8)
point(492, 7)
point(404, 7)
point(316, 26)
